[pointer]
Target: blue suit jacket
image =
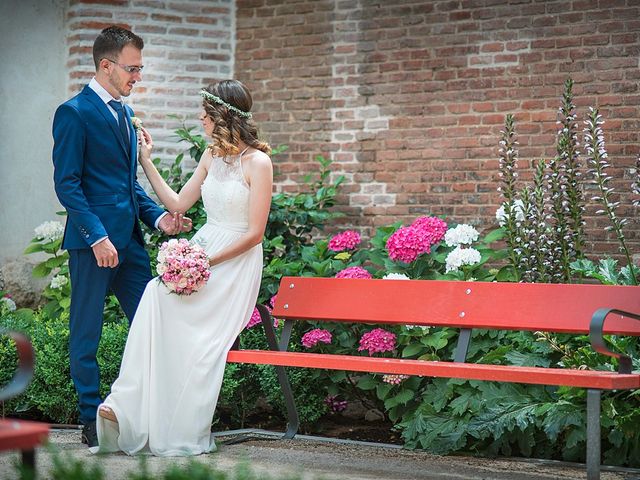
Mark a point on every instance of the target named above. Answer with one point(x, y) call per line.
point(94, 175)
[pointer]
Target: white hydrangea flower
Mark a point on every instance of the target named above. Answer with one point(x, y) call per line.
point(461, 256)
point(396, 276)
point(8, 303)
point(58, 281)
point(519, 209)
point(49, 231)
point(421, 327)
point(463, 234)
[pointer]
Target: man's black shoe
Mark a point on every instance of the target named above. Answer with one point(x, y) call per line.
point(90, 435)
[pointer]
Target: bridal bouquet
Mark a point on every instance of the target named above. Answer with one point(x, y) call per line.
point(182, 266)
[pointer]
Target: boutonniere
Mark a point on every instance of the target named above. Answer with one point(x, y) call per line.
point(137, 123)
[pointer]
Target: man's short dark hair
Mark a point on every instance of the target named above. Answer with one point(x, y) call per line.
point(111, 41)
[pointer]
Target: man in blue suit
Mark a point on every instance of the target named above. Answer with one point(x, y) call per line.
point(95, 161)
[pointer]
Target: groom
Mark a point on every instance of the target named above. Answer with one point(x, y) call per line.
point(94, 157)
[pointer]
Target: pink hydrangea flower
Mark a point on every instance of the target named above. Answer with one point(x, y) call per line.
point(407, 243)
point(334, 404)
point(394, 379)
point(315, 336)
point(347, 240)
point(353, 272)
point(377, 340)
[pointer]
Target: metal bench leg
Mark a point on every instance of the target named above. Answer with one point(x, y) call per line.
point(29, 462)
point(593, 434)
point(293, 422)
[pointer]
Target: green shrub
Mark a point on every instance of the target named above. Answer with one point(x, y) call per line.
point(51, 393)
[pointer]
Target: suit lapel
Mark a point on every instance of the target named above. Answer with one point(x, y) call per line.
point(108, 116)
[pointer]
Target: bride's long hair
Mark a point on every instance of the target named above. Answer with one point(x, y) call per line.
point(229, 127)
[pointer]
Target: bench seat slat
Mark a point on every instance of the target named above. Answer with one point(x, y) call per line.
point(504, 306)
point(469, 371)
point(21, 434)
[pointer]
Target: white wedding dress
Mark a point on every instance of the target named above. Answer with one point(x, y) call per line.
point(174, 359)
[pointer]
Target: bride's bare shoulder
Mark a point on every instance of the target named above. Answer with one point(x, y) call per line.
point(206, 159)
point(259, 158)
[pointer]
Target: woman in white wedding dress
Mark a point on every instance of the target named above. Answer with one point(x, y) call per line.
point(165, 396)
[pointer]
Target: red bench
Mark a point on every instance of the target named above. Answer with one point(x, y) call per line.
point(559, 308)
point(18, 434)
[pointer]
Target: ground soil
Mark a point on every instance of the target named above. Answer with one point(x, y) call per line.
point(330, 425)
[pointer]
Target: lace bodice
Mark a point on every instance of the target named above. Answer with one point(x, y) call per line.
point(225, 193)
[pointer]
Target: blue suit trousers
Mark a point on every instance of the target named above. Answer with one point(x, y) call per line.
point(90, 286)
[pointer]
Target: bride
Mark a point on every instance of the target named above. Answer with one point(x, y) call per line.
point(165, 396)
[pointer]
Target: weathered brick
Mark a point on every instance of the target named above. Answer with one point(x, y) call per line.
point(407, 99)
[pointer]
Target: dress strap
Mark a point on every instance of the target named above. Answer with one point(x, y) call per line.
point(244, 179)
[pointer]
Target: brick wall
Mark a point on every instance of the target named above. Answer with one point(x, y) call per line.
point(408, 97)
point(188, 44)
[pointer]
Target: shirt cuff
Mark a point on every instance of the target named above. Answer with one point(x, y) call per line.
point(98, 241)
point(158, 220)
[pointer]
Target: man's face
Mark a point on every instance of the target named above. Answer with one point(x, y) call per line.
point(121, 80)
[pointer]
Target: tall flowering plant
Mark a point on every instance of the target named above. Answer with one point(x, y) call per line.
point(183, 267)
point(47, 240)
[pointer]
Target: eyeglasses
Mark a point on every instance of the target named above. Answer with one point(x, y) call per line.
point(127, 68)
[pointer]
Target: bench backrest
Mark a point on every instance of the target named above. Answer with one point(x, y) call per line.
point(562, 308)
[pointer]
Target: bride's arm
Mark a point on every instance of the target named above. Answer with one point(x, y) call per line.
point(190, 192)
point(260, 179)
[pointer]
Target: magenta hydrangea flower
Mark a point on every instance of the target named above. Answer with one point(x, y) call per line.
point(433, 228)
point(255, 318)
point(353, 272)
point(334, 404)
point(407, 243)
point(270, 306)
point(272, 302)
point(347, 240)
point(377, 340)
point(312, 338)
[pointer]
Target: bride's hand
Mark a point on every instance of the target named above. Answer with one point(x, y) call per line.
point(146, 145)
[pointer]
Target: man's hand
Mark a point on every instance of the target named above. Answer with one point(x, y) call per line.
point(174, 223)
point(106, 254)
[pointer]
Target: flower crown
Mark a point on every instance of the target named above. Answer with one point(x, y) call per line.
point(219, 101)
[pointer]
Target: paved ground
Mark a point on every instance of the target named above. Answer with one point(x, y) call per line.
point(312, 459)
